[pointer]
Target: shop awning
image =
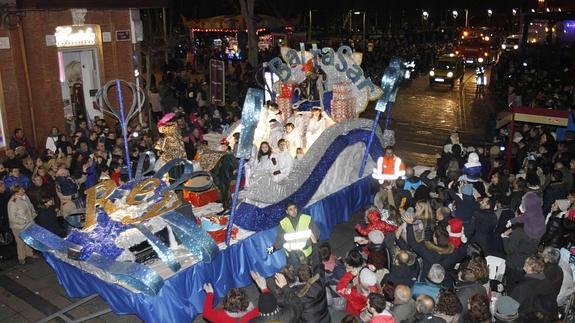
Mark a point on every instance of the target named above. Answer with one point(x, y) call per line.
point(556, 118)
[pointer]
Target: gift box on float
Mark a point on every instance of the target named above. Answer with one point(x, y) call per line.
point(198, 199)
point(217, 227)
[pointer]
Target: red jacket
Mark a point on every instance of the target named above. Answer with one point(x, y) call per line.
point(221, 316)
point(374, 222)
point(382, 318)
point(355, 300)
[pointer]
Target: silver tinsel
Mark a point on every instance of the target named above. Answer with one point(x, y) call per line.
point(132, 237)
point(265, 191)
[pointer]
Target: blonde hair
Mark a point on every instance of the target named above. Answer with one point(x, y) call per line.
point(424, 212)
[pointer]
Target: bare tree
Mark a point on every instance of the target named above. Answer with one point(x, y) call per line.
point(247, 9)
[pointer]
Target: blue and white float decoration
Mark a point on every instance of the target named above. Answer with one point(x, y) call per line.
point(338, 65)
point(118, 219)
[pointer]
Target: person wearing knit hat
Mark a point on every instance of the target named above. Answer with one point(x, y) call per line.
point(356, 295)
point(376, 237)
point(473, 166)
point(269, 311)
point(367, 279)
point(506, 309)
point(563, 204)
point(456, 232)
point(472, 174)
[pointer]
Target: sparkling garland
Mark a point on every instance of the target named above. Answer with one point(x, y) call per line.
point(343, 103)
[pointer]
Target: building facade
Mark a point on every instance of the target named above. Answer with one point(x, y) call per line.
point(54, 60)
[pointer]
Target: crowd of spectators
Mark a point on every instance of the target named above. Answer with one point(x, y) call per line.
point(536, 81)
point(468, 241)
point(434, 244)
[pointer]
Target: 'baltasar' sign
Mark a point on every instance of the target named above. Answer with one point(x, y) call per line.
point(338, 65)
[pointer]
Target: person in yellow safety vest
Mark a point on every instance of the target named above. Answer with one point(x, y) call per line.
point(296, 234)
point(389, 167)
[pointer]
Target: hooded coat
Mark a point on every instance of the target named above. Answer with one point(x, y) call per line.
point(374, 222)
point(532, 219)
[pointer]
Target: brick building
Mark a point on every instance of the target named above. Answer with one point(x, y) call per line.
point(53, 60)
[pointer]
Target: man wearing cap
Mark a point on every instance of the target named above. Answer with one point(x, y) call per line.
point(296, 234)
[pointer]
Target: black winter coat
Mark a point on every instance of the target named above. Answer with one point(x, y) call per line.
point(518, 247)
point(314, 302)
point(403, 274)
point(558, 231)
point(485, 223)
point(496, 242)
point(430, 253)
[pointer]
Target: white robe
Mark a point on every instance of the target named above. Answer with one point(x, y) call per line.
point(314, 130)
point(255, 168)
point(276, 133)
point(299, 121)
point(294, 141)
point(283, 165)
point(263, 128)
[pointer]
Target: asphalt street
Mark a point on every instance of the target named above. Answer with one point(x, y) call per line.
point(424, 116)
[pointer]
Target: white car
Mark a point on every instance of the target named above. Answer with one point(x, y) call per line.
point(511, 43)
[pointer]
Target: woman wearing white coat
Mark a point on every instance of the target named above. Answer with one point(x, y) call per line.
point(21, 214)
point(260, 164)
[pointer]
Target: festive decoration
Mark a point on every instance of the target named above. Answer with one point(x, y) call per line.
point(342, 103)
point(216, 227)
point(250, 118)
point(170, 145)
point(139, 97)
point(338, 66)
point(285, 107)
point(393, 75)
point(305, 177)
point(131, 225)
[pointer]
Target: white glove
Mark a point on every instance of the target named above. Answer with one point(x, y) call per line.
point(270, 250)
point(508, 224)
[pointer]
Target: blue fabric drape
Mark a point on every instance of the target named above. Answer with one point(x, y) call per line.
point(182, 297)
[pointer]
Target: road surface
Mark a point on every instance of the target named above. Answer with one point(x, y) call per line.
point(424, 117)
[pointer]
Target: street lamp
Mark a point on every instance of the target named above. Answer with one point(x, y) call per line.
point(425, 15)
point(489, 12)
point(455, 14)
point(514, 12)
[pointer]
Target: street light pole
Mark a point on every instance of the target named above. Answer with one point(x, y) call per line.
point(309, 27)
point(364, 44)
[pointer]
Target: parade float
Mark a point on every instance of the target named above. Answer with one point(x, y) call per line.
point(147, 251)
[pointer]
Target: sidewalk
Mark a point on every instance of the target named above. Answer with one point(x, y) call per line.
point(32, 292)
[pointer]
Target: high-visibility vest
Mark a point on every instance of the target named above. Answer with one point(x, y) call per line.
point(388, 168)
point(296, 239)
